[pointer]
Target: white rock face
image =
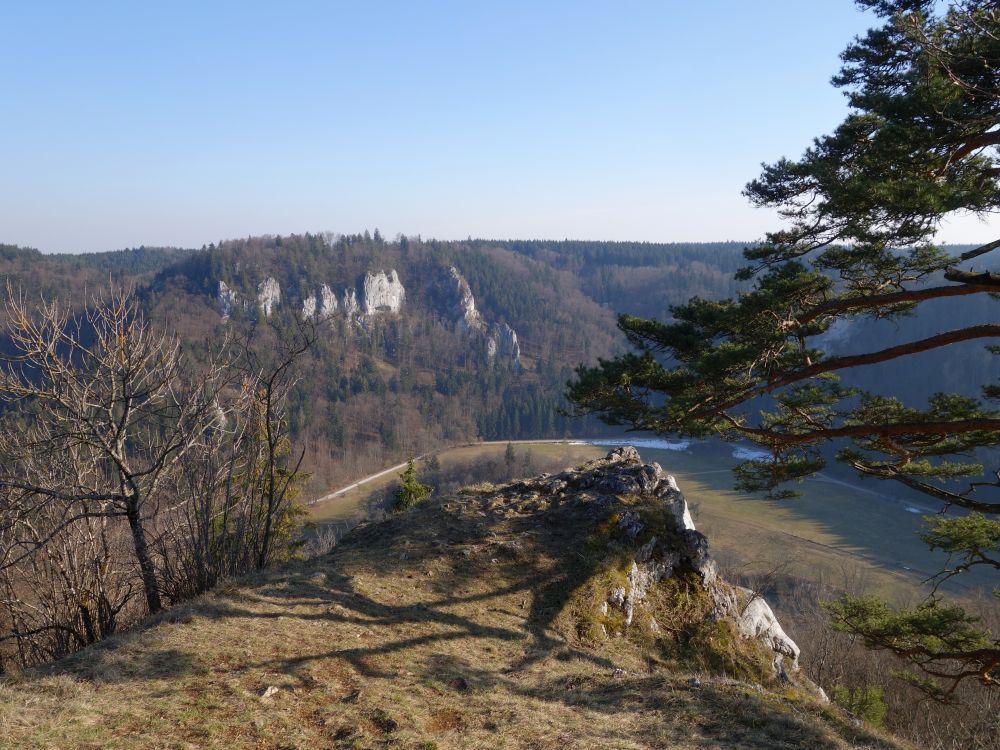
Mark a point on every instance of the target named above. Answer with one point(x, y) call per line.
point(502, 347)
point(382, 293)
point(227, 299)
point(467, 317)
point(321, 307)
point(685, 519)
point(508, 351)
point(309, 307)
point(327, 302)
point(268, 295)
point(350, 305)
point(757, 620)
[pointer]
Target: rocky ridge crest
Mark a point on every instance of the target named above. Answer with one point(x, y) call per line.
point(643, 513)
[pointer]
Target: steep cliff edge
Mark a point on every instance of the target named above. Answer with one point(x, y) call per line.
point(500, 339)
point(577, 610)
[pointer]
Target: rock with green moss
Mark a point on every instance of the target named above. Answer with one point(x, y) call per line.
point(663, 543)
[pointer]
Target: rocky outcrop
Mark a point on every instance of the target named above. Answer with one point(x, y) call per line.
point(382, 293)
point(327, 302)
point(755, 619)
point(503, 346)
point(350, 305)
point(651, 517)
point(686, 547)
point(268, 295)
point(320, 305)
point(499, 340)
point(226, 299)
point(466, 316)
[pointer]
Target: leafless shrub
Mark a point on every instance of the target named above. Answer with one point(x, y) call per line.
point(130, 478)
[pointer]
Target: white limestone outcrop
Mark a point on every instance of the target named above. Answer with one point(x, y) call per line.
point(757, 620)
point(501, 345)
point(327, 302)
point(467, 317)
point(350, 305)
point(320, 305)
point(505, 347)
point(268, 295)
point(382, 293)
point(226, 299)
point(309, 307)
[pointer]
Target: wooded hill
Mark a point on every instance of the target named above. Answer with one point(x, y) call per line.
point(382, 384)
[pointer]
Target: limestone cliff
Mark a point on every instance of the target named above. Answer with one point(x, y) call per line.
point(463, 309)
point(382, 293)
point(502, 347)
point(268, 295)
point(227, 299)
point(320, 305)
point(350, 305)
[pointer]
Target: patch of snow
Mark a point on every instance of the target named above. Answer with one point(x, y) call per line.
point(749, 454)
point(656, 443)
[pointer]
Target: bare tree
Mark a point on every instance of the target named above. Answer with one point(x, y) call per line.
point(125, 469)
point(103, 410)
point(269, 366)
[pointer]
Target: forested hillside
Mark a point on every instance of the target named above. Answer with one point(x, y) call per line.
point(420, 371)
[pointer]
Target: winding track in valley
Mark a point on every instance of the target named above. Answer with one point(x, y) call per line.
point(400, 467)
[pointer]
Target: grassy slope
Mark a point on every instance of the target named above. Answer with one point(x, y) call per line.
point(426, 631)
point(833, 529)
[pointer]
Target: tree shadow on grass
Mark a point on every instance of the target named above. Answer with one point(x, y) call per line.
point(470, 547)
point(467, 546)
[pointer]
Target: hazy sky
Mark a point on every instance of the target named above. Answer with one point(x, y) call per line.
point(175, 123)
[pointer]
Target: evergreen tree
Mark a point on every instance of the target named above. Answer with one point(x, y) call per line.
point(862, 207)
point(410, 491)
point(509, 458)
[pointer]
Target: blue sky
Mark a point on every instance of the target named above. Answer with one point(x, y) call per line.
point(184, 123)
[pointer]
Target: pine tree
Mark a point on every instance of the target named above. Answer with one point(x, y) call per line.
point(862, 207)
point(410, 491)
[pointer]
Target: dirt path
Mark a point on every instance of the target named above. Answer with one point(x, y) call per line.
point(400, 467)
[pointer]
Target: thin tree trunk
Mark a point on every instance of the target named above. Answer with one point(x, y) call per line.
point(146, 567)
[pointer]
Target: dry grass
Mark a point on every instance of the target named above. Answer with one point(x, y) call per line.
point(426, 631)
